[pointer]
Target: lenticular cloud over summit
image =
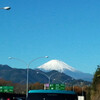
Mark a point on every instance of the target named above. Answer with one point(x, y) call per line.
point(56, 65)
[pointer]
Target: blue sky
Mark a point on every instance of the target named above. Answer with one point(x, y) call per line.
point(66, 30)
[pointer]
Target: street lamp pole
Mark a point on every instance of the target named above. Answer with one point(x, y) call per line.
point(58, 80)
point(63, 82)
point(27, 64)
point(49, 77)
point(28, 72)
point(6, 8)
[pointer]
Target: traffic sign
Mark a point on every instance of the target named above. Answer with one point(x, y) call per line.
point(57, 87)
point(7, 89)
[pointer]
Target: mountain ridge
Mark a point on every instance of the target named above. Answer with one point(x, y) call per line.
point(65, 68)
point(19, 76)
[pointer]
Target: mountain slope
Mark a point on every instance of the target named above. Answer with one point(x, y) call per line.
point(19, 76)
point(65, 68)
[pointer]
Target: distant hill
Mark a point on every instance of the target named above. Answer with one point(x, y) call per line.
point(19, 76)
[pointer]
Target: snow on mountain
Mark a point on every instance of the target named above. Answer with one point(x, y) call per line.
point(65, 68)
point(56, 65)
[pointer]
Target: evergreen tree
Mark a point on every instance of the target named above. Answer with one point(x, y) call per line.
point(96, 79)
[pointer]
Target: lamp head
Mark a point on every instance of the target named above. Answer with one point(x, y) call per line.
point(9, 57)
point(7, 8)
point(37, 72)
point(46, 56)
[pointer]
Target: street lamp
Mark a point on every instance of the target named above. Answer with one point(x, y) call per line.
point(27, 64)
point(6, 8)
point(49, 77)
point(58, 80)
point(63, 82)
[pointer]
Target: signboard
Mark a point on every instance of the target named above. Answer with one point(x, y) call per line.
point(46, 86)
point(57, 87)
point(1, 88)
point(81, 98)
point(6, 89)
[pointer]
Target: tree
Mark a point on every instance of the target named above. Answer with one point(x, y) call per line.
point(96, 79)
point(36, 86)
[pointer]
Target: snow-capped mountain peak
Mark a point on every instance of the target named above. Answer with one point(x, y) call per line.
point(62, 67)
point(56, 65)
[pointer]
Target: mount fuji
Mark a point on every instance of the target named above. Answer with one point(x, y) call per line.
point(62, 67)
